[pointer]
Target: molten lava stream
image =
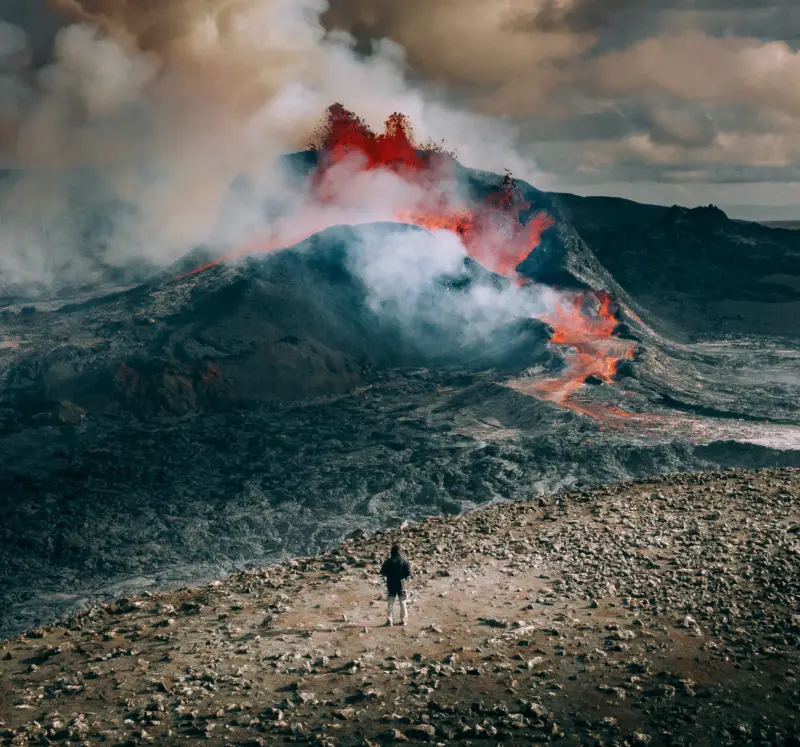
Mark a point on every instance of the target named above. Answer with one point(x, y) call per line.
point(499, 233)
point(592, 351)
point(597, 358)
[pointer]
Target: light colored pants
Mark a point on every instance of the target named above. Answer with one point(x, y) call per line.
point(390, 606)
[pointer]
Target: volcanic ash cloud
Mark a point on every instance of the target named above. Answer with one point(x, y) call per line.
point(128, 139)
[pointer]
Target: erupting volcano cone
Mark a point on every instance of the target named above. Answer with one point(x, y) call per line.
point(498, 232)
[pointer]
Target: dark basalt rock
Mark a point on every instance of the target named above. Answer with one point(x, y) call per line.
point(593, 380)
point(624, 332)
point(695, 272)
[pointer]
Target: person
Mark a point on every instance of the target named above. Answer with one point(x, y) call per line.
point(396, 569)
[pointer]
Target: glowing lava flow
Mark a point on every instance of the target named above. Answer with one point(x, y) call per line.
point(592, 351)
point(499, 233)
point(496, 240)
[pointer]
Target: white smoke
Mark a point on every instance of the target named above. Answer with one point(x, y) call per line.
point(403, 272)
point(123, 148)
point(347, 194)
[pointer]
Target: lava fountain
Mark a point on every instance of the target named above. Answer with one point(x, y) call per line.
point(498, 233)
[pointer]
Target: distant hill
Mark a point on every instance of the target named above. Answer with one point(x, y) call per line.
point(609, 212)
point(791, 225)
point(697, 268)
point(603, 212)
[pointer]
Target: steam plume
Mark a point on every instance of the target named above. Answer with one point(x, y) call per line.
point(122, 146)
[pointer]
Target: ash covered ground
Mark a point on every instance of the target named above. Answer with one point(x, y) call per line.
point(195, 424)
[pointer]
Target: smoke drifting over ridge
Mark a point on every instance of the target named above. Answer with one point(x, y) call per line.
point(120, 141)
point(401, 270)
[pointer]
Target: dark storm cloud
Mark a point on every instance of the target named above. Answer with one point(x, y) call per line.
point(525, 57)
point(671, 122)
point(607, 124)
point(743, 17)
point(613, 20)
point(668, 121)
point(670, 176)
point(618, 23)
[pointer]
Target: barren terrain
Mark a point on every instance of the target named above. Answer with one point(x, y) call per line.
point(660, 611)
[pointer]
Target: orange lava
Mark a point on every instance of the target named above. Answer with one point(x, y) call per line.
point(497, 240)
point(572, 322)
point(592, 351)
point(342, 133)
point(498, 233)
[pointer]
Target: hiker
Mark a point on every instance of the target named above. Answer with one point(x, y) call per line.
point(396, 569)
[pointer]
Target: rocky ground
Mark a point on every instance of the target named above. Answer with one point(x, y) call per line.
point(660, 611)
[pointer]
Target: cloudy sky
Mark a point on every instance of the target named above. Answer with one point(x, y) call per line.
point(668, 101)
point(665, 101)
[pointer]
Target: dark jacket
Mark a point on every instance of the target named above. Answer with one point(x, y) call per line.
point(396, 569)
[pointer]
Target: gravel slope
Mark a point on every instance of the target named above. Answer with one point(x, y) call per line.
point(661, 611)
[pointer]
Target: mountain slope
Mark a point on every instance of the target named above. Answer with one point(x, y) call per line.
point(586, 213)
point(302, 322)
point(704, 274)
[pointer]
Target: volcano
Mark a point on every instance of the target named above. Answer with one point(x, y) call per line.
point(500, 226)
point(366, 360)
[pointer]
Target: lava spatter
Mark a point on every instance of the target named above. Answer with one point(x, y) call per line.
point(342, 134)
